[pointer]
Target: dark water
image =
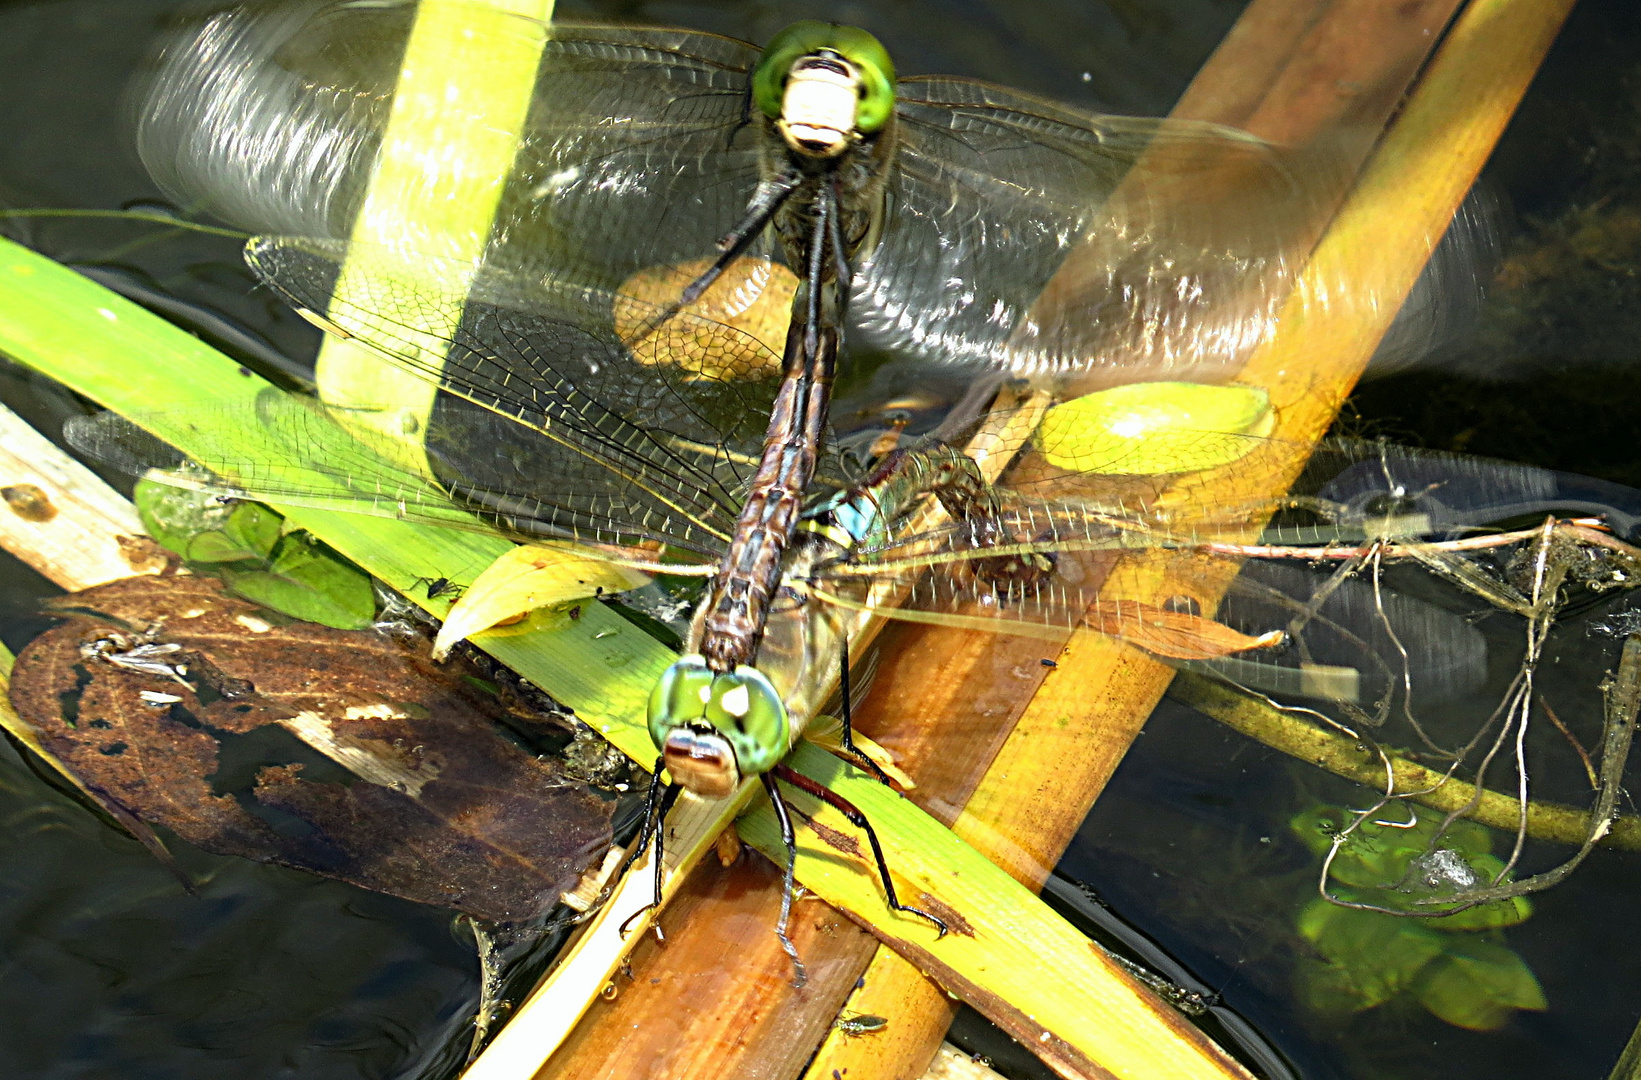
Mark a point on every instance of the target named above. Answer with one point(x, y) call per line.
point(108, 969)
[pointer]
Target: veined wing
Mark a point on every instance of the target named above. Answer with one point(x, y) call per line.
point(550, 422)
point(295, 451)
point(635, 150)
point(1169, 243)
point(1351, 493)
point(1039, 567)
point(642, 149)
point(1446, 494)
point(1293, 629)
point(589, 418)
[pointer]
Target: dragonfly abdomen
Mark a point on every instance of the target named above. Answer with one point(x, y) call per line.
point(738, 599)
point(821, 225)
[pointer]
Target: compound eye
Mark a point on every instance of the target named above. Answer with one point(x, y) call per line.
point(680, 697)
point(749, 712)
point(741, 705)
point(863, 52)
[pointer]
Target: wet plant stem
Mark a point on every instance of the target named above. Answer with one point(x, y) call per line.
point(1343, 756)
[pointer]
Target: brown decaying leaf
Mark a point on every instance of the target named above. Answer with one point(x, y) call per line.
point(752, 296)
point(1177, 635)
point(422, 798)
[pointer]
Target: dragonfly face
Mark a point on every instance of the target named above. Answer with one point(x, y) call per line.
point(713, 728)
point(825, 86)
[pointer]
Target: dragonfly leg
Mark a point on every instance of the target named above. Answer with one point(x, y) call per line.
point(840, 249)
point(660, 798)
point(788, 881)
point(847, 737)
point(814, 277)
point(858, 819)
point(769, 197)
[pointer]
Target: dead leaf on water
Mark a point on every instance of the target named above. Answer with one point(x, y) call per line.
point(344, 753)
point(1177, 635)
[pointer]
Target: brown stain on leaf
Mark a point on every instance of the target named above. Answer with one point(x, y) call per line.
point(835, 839)
point(954, 920)
point(142, 555)
point(377, 767)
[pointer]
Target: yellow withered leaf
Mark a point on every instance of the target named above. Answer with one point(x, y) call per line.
point(1152, 428)
point(735, 331)
point(528, 577)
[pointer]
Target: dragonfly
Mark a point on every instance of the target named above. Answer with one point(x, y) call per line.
point(604, 387)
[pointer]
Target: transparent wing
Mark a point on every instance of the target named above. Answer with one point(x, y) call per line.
point(1301, 564)
point(1445, 494)
point(688, 409)
point(1290, 629)
point(297, 452)
point(1032, 237)
point(634, 154)
point(635, 150)
point(1347, 640)
point(550, 420)
point(275, 447)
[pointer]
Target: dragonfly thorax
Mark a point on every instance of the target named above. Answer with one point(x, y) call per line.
point(715, 728)
point(818, 109)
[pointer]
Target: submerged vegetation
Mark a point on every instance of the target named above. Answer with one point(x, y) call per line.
point(1457, 966)
point(245, 544)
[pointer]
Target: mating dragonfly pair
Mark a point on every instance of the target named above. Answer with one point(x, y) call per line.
point(614, 380)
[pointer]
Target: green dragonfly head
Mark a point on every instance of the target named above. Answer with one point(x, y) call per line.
point(713, 728)
point(825, 86)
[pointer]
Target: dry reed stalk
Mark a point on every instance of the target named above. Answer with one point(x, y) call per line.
point(61, 519)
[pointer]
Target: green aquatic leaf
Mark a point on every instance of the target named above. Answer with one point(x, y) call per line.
point(1317, 826)
point(254, 527)
point(204, 529)
point(1152, 428)
point(1367, 958)
point(1395, 865)
point(241, 543)
point(1484, 869)
point(1493, 916)
point(1332, 990)
point(307, 581)
point(250, 533)
point(174, 516)
point(1478, 984)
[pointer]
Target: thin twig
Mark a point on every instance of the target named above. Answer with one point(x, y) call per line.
point(1578, 747)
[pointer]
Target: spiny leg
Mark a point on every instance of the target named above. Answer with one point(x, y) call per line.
point(788, 879)
point(847, 737)
point(840, 250)
point(769, 197)
point(825, 207)
point(660, 798)
point(858, 819)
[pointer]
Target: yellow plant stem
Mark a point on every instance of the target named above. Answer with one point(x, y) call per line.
point(1346, 757)
point(463, 94)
